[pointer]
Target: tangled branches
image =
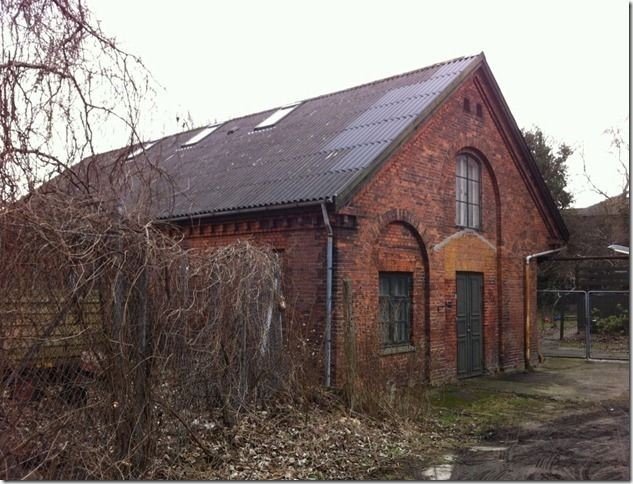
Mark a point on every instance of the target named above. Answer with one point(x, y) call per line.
point(65, 89)
point(110, 330)
point(105, 321)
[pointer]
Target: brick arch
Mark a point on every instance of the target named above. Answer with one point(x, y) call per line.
point(406, 218)
point(414, 227)
point(483, 160)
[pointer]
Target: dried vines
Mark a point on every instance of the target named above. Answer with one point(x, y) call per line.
point(110, 330)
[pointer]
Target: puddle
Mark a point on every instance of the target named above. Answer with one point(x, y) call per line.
point(487, 448)
point(444, 472)
point(440, 472)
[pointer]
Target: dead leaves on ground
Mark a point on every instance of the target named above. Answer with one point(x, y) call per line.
point(287, 444)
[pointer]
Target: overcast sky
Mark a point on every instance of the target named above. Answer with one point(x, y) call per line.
point(561, 65)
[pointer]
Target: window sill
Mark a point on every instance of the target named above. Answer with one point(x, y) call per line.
point(394, 350)
point(472, 229)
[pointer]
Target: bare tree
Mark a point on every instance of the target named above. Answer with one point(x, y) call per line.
point(620, 151)
point(104, 317)
point(63, 82)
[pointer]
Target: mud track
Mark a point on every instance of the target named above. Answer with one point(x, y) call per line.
point(591, 444)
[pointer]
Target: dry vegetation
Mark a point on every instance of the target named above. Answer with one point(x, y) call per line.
point(123, 354)
point(110, 329)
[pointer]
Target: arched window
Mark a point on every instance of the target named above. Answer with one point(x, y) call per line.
point(468, 192)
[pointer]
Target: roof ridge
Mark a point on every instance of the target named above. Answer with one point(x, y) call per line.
point(395, 76)
point(358, 86)
point(320, 96)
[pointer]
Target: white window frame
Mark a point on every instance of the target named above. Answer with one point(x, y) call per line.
point(277, 116)
point(468, 192)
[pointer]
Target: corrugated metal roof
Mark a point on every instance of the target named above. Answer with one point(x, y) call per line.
point(312, 154)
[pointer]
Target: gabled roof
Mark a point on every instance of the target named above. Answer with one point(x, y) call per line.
point(317, 152)
point(320, 150)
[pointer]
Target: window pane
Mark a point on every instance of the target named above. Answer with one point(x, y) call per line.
point(386, 332)
point(277, 116)
point(384, 285)
point(461, 166)
point(404, 333)
point(462, 213)
point(397, 310)
point(462, 189)
point(394, 333)
point(473, 169)
point(396, 338)
point(473, 192)
point(200, 136)
point(474, 217)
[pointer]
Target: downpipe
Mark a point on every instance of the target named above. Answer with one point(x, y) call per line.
point(527, 327)
point(328, 297)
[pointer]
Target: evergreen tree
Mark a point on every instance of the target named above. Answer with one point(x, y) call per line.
point(551, 161)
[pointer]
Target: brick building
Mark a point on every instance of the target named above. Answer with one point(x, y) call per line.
point(418, 189)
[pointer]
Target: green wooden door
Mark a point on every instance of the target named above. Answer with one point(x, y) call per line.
point(469, 323)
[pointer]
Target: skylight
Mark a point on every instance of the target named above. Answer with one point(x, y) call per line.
point(277, 116)
point(140, 149)
point(200, 136)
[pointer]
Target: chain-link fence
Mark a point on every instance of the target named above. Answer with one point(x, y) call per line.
point(561, 323)
point(609, 328)
point(111, 378)
point(589, 324)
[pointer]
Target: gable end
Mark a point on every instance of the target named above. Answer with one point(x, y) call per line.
point(511, 134)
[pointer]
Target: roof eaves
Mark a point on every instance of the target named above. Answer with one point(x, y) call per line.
point(243, 210)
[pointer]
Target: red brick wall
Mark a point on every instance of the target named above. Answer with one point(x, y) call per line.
point(416, 187)
point(396, 250)
point(300, 237)
point(405, 221)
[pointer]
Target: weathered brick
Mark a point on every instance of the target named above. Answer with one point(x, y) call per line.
point(403, 219)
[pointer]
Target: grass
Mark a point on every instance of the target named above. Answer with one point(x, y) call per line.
point(460, 416)
point(470, 413)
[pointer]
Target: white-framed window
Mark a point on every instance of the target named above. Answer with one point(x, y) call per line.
point(203, 133)
point(468, 192)
point(141, 149)
point(277, 116)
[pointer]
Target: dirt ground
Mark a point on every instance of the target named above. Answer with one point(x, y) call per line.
point(568, 420)
point(588, 445)
point(571, 423)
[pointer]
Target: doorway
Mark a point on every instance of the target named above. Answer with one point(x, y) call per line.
point(469, 324)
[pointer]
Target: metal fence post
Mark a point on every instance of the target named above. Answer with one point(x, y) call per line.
point(587, 326)
point(586, 307)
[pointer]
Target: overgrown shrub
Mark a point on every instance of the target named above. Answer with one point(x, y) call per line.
point(613, 324)
point(177, 333)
